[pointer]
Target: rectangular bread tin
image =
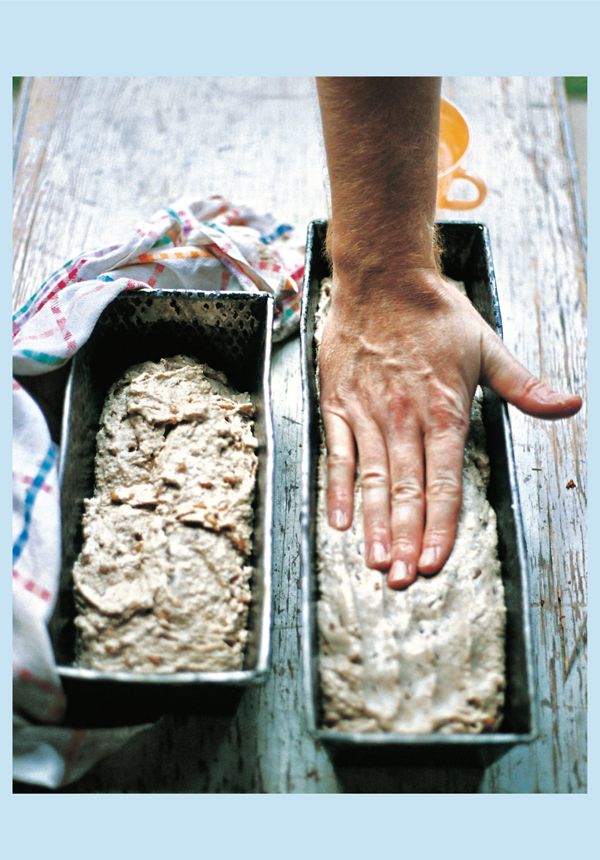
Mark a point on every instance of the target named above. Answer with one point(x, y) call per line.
point(231, 332)
point(466, 258)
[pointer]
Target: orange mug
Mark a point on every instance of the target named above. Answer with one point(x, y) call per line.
point(453, 147)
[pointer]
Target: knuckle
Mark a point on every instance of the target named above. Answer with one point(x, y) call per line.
point(440, 537)
point(402, 547)
point(407, 489)
point(333, 405)
point(532, 386)
point(337, 458)
point(373, 478)
point(398, 404)
point(339, 500)
point(449, 420)
point(447, 413)
point(444, 487)
point(339, 489)
point(376, 532)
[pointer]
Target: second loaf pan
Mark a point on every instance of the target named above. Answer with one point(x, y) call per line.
point(231, 332)
point(466, 258)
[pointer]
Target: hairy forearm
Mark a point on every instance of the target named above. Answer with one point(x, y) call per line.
point(381, 138)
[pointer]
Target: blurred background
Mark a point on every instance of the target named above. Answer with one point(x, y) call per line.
point(577, 101)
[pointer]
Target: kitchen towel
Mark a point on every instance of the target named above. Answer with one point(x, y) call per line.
point(205, 244)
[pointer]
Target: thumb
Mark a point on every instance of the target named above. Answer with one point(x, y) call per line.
point(513, 382)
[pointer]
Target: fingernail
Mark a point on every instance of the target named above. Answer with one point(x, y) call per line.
point(399, 574)
point(338, 519)
point(429, 556)
point(378, 553)
point(551, 396)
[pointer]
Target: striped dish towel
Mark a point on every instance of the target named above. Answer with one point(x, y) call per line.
point(194, 244)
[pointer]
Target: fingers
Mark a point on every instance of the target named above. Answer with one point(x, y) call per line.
point(394, 500)
point(374, 482)
point(513, 382)
point(444, 465)
point(407, 502)
point(340, 471)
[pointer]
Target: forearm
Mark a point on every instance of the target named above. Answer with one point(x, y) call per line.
point(381, 138)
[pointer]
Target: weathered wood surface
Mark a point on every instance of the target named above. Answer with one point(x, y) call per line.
point(96, 154)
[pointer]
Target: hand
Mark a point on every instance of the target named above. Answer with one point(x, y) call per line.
point(397, 376)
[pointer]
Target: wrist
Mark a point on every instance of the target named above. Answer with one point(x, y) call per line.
point(369, 250)
point(393, 290)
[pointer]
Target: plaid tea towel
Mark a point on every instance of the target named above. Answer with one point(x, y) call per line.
point(194, 244)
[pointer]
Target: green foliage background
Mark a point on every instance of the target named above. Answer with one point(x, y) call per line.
point(576, 86)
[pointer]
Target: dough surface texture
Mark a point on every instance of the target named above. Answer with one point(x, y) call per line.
point(162, 583)
point(423, 660)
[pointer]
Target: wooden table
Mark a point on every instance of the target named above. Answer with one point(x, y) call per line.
point(94, 155)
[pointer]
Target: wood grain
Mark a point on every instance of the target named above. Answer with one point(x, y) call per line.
point(532, 215)
point(95, 155)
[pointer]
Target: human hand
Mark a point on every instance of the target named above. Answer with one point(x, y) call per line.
point(397, 376)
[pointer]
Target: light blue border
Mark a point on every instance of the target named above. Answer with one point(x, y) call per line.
point(291, 39)
point(294, 38)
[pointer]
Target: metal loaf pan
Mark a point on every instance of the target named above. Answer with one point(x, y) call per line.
point(466, 257)
point(231, 332)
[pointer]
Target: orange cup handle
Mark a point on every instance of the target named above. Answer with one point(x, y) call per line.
point(447, 203)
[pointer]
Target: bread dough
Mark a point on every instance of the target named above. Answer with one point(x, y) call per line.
point(162, 583)
point(426, 659)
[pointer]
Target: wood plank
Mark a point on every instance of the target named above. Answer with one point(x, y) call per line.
point(531, 210)
point(97, 154)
